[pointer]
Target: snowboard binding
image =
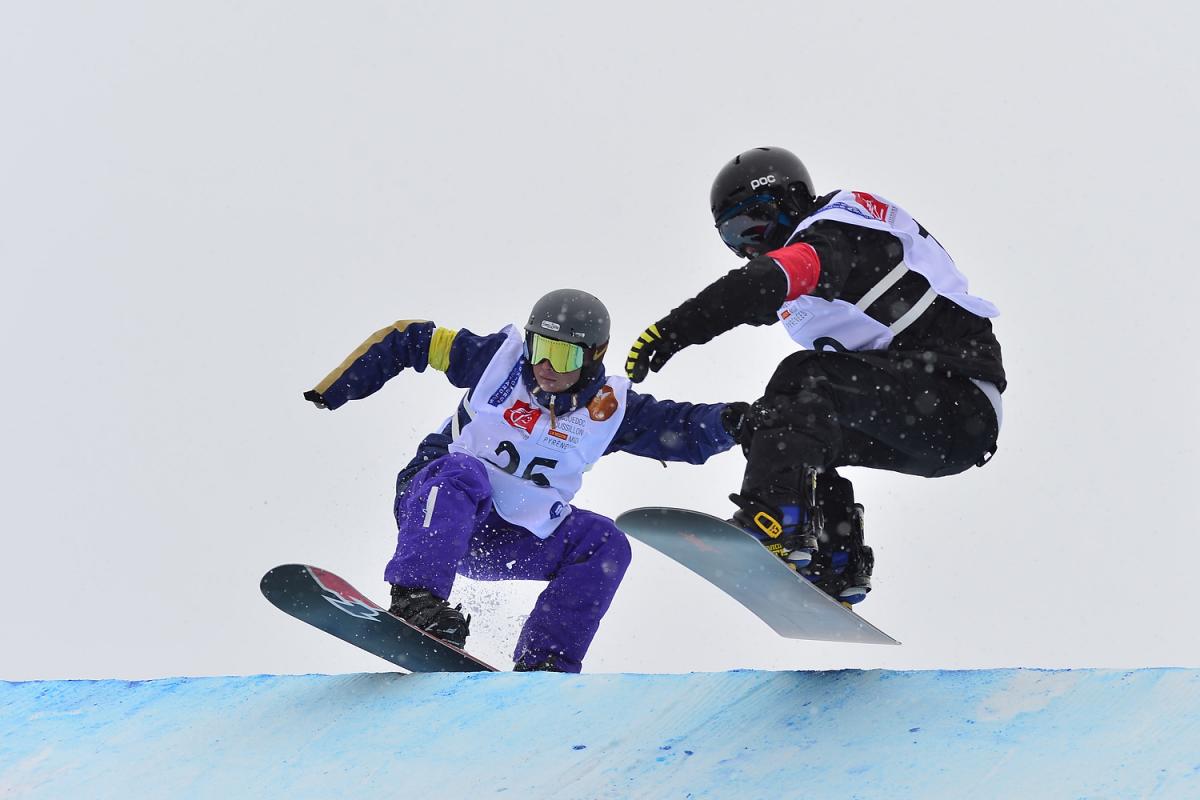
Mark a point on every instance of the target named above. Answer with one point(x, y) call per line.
point(786, 530)
point(843, 563)
point(425, 610)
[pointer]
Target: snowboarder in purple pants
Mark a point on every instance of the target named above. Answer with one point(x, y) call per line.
point(488, 495)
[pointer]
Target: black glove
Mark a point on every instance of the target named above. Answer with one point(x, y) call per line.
point(314, 397)
point(737, 422)
point(652, 349)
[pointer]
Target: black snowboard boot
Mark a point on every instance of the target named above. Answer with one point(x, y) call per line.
point(529, 665)
point(425, 610)
point(843, 563)
point(785, 529)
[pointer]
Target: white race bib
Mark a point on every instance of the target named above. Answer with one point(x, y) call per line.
point(819, 324)
point(535, 469)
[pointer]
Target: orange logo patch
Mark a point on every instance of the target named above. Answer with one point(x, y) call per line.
point(603, 405)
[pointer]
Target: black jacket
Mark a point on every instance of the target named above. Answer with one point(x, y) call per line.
point(853, 260)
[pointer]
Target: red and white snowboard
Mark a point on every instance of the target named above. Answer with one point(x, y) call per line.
point(330, 603)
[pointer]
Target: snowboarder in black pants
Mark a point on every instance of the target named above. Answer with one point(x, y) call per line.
point(900, 371)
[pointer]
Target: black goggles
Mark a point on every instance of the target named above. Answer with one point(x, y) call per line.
point(746, 226)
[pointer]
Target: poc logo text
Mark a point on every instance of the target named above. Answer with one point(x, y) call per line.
point(766, 180)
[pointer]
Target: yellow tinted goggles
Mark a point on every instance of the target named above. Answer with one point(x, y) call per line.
point(563, 356)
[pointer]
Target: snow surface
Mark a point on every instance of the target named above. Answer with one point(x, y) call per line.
point(748, 734)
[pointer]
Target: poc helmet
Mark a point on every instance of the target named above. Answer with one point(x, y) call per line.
point(573, 317)
point(758, 198)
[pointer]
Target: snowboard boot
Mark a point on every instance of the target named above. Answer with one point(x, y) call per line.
point(785, 530)
point(843, 563)
point(548, 665)
point(423, 609)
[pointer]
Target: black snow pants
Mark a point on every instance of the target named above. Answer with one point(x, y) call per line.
point(882, 409)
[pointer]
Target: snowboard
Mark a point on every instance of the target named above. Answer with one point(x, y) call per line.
point(325, 601)
point(735, 562)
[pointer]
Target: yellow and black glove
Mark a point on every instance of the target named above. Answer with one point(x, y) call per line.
point(653, 348)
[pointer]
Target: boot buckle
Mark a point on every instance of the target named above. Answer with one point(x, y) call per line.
point(768, 524)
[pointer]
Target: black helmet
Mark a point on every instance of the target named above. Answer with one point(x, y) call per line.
point(758, 197)
point(571, 315)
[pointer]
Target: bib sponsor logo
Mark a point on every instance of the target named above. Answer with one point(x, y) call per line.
point(557, 509)
point(522, 416)
point(794, 319)
point(566, 434)
point(506, 389)
point(879, 210)
point(766, 180)
point(603, 405)
point(850, 207)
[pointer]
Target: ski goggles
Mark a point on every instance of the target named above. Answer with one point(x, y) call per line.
point(563, 356)
point(746, 226)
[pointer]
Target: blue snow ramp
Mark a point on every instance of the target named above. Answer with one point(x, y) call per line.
point(854, 734)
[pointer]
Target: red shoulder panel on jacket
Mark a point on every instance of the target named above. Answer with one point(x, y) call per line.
point(802, 266)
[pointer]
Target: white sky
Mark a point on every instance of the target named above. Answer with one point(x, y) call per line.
point(205, 207)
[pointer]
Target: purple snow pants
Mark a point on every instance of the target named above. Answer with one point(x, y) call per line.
point(447, 527)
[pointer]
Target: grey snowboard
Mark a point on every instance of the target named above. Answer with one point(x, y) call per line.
point(735, 562)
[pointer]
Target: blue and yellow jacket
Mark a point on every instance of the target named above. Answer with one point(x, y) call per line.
point(659, 429)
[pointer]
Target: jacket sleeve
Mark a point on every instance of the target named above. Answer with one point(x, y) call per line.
point(670, 431)
point(407, 344)
point(817, 262)
point(749, 295)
